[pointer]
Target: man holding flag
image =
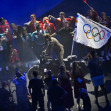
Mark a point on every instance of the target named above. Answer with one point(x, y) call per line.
point(92, 14)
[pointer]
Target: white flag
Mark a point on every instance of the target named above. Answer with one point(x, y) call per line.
point(91, 33)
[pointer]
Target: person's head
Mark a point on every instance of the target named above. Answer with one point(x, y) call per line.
point(98, 19)
point(103, 15)
point(62, 15)
point(2, 20)
point(18, 74)
point(46, 20)
point(13, 26)
point(93, 54)
point(47, 36)
point(62, 68)
point(35, 73)
point(4, 84)
point(25, 31)
point(67, 24)
point(33, 17)
point(10, 48)
point(49, 73)
point(89, 13)
point(89, 56)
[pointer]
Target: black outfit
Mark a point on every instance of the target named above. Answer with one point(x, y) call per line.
point(86, 101)
point(96, 67)
point(37, 95)
point(55, 94)
point(66, 39)
point(4, 99)
point(48, 80)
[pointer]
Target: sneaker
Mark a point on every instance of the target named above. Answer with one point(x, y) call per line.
point(78, 107)
point(82, 107)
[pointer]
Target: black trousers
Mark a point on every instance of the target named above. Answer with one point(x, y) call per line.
point(36, 100)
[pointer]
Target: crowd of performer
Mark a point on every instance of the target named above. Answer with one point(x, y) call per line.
point(32, 35)
point(13, 46)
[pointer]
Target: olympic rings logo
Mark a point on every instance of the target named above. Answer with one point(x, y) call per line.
point(96, 34)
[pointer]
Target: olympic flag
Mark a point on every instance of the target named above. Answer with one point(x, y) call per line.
point(91, 33)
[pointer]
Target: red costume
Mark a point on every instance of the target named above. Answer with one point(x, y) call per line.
point(32, 26)
point(6, 28)
point(14, 56)
point(60, 24)
point(50, 28)
point(41, 25)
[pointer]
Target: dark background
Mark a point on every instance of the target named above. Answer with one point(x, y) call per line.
point(18, 11)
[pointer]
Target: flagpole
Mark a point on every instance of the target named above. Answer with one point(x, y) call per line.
point(72, 46)
point(89, 6)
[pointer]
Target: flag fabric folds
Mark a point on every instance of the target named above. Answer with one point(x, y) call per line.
point(91, 33)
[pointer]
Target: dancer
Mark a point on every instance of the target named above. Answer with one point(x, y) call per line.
point(53, 44)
